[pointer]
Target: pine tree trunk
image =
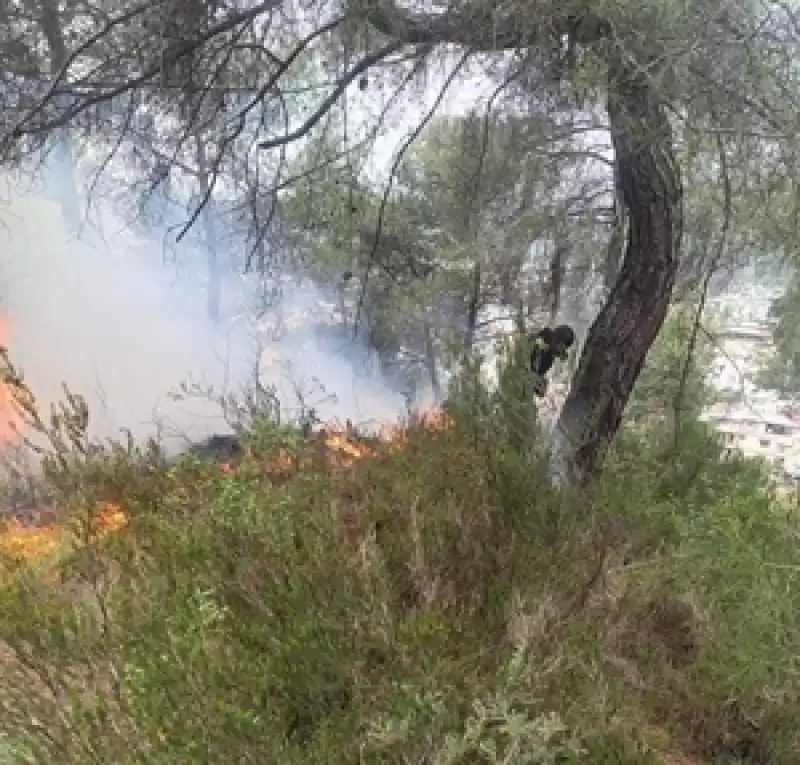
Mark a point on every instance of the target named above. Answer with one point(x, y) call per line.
point(650, 183)
point(618, 341)
point(557, 271)
point(431, 364)
point(616, 242)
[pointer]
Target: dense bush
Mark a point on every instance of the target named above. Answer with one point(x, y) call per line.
point(435, 603)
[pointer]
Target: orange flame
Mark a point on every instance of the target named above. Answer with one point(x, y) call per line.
point(343, 449)
point(433, 419)
point(110, 518)
point(29, 543)
point(436, 419)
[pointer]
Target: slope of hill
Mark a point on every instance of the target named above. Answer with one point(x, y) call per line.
point(422, 595)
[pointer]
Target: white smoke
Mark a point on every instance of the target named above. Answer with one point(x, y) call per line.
point(105, 317)
point(337, 376)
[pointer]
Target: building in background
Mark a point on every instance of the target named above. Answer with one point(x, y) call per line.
point(763, 432)
point(741, 351)
point(754, 422)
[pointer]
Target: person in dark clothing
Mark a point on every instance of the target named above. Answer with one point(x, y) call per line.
point(549, 345)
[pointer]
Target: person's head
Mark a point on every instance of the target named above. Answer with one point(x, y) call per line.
point(563, 339)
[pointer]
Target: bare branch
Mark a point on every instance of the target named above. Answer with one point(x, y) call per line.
point(180, 51)
point(723, 238)
point(82, 48)
point(90, 191)
point(213, 177)
point(289, 60)
point(362, 66)
point(427, 117)
point(279, 185)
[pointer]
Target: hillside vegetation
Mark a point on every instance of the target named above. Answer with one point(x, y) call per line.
point(432, 177)
point(428, 598)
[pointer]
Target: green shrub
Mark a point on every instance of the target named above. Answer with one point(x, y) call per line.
point(439, 603)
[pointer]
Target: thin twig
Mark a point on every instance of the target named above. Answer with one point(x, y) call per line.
point(423, 123)
point(363, 65)
point(701, 305)
point(180, 51)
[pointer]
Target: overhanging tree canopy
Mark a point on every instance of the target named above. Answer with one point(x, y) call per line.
point(663, 68)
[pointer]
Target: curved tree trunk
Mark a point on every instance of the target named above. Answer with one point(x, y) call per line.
point(650, 184)
point(557, 272)
point(616, 242)
point(618, 341)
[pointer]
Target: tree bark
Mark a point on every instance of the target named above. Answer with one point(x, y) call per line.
point(473, 308)
point(634, 311)
point(431, 363)
point(557, 271)
point(616, 242)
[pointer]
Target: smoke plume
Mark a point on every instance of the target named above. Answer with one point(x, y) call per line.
point(102, 315)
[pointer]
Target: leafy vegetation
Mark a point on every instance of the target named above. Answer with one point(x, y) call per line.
point(431, 596)
point(674, 380)
point(435, 600)
point(781, 369)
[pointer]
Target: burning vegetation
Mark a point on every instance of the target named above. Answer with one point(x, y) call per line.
point(331, 447)
point(32, 532)
point(295, 582)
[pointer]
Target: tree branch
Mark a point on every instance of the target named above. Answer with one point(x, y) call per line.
point(348, 77)
point(427, 117)
point(131, 84)
point(108, 27)
point(727, 206)
point(288, 61)
point(482, 28)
